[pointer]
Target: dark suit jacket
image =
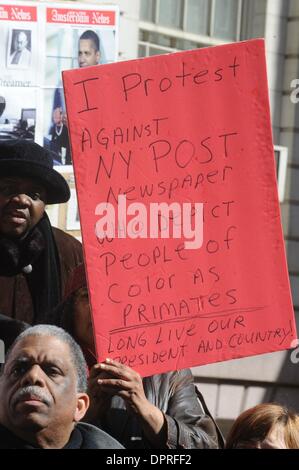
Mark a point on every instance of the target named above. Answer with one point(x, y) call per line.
point(84, 436)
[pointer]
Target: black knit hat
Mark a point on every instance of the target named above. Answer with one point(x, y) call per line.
point(26, 158)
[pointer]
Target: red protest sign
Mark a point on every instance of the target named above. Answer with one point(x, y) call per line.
point(192, 129)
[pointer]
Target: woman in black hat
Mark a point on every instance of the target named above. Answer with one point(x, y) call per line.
point(35, 259)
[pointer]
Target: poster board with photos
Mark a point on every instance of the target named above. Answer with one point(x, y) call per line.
point(37, 42)
point(31, 94)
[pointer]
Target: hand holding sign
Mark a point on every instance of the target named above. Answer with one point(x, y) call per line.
point(123, 381)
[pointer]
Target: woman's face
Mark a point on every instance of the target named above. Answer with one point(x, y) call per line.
point(83, 329)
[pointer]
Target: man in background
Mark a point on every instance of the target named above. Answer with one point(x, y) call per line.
point(36, 259)
point(43, 394)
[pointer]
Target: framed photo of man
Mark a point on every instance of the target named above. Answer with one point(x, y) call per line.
point(19, 51)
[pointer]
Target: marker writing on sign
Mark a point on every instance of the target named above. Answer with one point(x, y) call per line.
point(134, 81)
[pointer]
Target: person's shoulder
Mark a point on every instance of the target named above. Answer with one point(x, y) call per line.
point(62, 237)
point(182, 373)
point(95, 438)
point(171, 380)
point(69, 248)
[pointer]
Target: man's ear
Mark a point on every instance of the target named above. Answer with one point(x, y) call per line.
point(82, 406)
point(98, 57)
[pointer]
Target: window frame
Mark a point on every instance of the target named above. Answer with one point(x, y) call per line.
point(281, 161)
point(210, 27)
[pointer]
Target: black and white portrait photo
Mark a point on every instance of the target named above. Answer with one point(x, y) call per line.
point(19, 49)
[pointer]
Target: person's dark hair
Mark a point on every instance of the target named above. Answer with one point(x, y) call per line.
point(10, 329)
point(255, 424)
point(89, 34)
point(75, 350)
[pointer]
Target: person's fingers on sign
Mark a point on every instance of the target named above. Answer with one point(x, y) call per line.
point(127, 384)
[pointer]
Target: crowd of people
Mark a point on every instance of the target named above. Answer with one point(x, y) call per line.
point(54, 393)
